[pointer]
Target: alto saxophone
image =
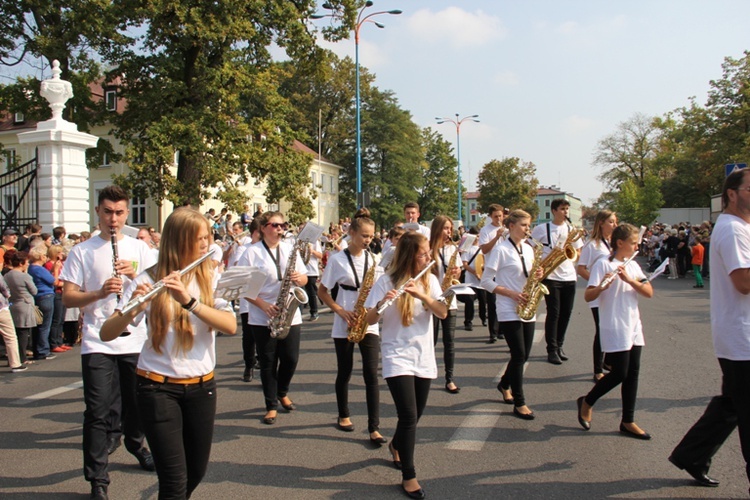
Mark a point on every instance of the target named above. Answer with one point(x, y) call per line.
point(289, 299)
point(359, 329)
point(448, 279)
point(534, 287)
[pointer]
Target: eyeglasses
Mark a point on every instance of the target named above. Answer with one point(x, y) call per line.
point(425, 255)
point(276, 225)
point(746, 188)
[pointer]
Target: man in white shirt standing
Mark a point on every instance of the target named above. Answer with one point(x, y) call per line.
point(489, 235)
point(92, 280)
point(730, 327)
point(411, 215)
point(561, 283)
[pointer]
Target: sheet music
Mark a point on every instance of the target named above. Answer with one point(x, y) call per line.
point(310, 233)
point(240, 282)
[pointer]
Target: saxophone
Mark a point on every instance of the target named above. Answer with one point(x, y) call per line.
point(448, 279)
point(359, 329)
point(534, 287)
point(289, 299)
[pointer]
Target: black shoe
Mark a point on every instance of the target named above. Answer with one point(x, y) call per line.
point(500, 336)
point(256, 365)
point(112, 445)
point(468, 327)
point(345, 428)
point(586, 425)
point(562, 354)
point(696, 472)
point(313, 317)
point(247, 375)
point(554, 358)
point(508, 400)
point(627, 432)
point(99, 492)
point(145, 459)
point(456, 389)
point(492, 340)
point(484, 322)
point(396, 463)
point(523, 416)
point(378, 440)
point(269, 420)
point(290, 407)
point(414, 494)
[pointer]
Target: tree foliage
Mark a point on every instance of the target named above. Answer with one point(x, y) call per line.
point(438, 194)
point(639, 205)
point(510, 182)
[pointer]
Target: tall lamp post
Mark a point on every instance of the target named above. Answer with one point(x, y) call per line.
point(457, 122)
point(361, 20)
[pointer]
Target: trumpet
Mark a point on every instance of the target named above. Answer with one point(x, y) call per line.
point(159, 285)
point(402, 288)
point(609, 279)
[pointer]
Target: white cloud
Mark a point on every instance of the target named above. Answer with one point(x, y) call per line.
point(567, 28)
point(371, 54)
point(576, 124)
point(459, 27)
point(507, 78)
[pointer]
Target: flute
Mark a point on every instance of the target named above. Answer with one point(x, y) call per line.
point(608, 280)
point(402, 289)
point(159, 285)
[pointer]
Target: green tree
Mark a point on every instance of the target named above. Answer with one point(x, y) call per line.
point(629, 152)
point(439, 193)
point(639, 205)
point(509, 181)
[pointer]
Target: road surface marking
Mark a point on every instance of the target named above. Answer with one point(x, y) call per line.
point(50, 393)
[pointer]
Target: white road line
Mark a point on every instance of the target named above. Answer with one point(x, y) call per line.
point(474, 431)
point(499, 375)
point(50, 393)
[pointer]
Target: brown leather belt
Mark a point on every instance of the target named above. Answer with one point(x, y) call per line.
point(161, 379)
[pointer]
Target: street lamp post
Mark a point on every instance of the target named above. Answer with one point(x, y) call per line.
point(457, 122)
point(360, 21)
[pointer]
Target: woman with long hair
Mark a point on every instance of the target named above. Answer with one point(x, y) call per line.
point(442, 249)
point(407, 344)
point(278, 357)
point(348, 269)
point(506, 270)
point(176, 389)
point(621, 329)
point(598, 247)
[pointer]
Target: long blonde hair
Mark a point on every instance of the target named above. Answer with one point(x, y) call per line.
point(436, 239)
point(403, 267)
point(597, 235)
point(179, 247)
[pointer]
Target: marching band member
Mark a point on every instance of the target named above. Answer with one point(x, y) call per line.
point(472, 277)
point(278, 357)
point(249, 353)
point(597, 248)
point(443, 249)
point(348, 269)
point(620, 326)
point(489, 236)
point(506, 271)
point(176, 389)
point(407, 346)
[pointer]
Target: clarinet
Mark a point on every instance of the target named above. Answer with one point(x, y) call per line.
point(115, 256)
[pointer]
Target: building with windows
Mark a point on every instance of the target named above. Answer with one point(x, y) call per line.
point(544, 197)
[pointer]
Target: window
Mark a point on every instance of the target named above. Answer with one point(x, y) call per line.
point(18, 118)
point(473, 218)
point(138, 211)
point(473, 205)
point(323, 183)
point(546, 215)
point(111, 97)
point(333, 184)
point(546, 204)
point(10, 201)
point(315, 180)
point(105, 160)
point(10, 158)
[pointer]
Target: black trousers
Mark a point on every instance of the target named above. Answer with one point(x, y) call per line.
point(369, 347)
point(449, 336)
point(559, 308)
point(179, 423)
point(469, 309)
point(410, 397)
point(724, 412)
point(597, 348)
point(248, 343)
point(311, 288)
point(519, 335)
point(98, 371)
point(625, 367)
point(278, 362)
point(492, 325)
point(23, 334)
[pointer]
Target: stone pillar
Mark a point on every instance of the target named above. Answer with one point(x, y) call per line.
point(62, 176)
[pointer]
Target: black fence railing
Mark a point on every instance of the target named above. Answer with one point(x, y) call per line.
point(19, 196)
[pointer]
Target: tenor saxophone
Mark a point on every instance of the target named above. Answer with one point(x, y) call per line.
point(359, 329)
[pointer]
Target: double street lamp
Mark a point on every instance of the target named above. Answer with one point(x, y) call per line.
point(361, 20)
point(457, 122)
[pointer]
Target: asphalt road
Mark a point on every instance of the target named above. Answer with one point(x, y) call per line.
point(468, 445)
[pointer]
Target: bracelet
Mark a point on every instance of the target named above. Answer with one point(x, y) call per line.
point(190, 305)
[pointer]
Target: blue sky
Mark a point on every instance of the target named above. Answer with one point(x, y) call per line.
point(548, 79)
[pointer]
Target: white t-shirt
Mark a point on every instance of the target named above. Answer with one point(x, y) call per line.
point(471, 255)
point(590, 255)
point(406, 350)
point(339, 271)
point(730, 310)
point(567, 270)
point(89, 265)
point(444, 258)
point(244, 305)
point(218, 252)
point(257, 255)
point(504, 265)
point(387, 258)
point(619, 319)
point(237, 249)
point(488, 233)
point(312, 264)
point(199, 361)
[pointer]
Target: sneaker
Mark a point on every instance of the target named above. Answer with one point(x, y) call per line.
point(49, 356)
point(65, 347)
point(58, 349)
point(19, 368)
point(314, 317)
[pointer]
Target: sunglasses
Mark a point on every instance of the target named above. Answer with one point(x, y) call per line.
point(276, 225)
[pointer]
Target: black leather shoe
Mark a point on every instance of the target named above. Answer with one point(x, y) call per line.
point(468, 327)
point(99, 492)
point(554, 358)
point(112, 445)
point(484, 322)
point(145, 459)
point(345, 428)
point(523, 416)
point(257, 365)
point(378, 440)
point(696, 472)
point(290, 407)
point(562, 354)
point(586, 425)
point(396, 463)
point(415, 494)
point(248, 375)
point(507, 395)
point(269, 420)
point(456, 389)
point(624, 430)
